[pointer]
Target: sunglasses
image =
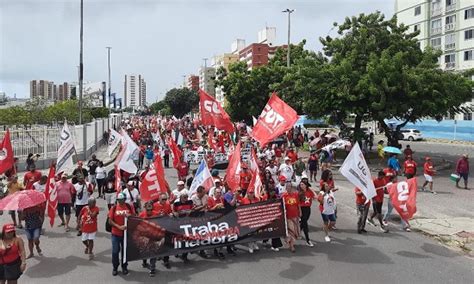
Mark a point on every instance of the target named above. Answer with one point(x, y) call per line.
point(164, 199)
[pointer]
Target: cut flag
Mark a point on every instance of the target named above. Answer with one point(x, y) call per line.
point(403, 197)
point(6, 153)
point(51, 195)
point(114, 141)
point(276, 118)
point(153, 183)
point(65, 151)
point(213, 114)
point(175, 151)
point(128, 154)
point(233, 170)
point(202, 178)
point(356, 170)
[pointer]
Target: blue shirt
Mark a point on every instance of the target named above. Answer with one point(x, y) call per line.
point(393, 163)
point(149, 154)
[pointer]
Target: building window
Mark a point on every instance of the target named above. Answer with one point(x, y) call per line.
point(467, 55)
point(416, 28)
point(469, 13)
point(468, 34)
point(450, 41)
point(417, 10)
point(436, 26)
point(449, 58)
point(450, 19)
point(468, 116)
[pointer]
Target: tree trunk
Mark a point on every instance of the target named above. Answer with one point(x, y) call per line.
point(392, 136)
point(357, 132)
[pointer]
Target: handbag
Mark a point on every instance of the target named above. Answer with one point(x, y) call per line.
point(108, 226)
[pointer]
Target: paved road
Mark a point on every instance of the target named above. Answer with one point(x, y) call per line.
point(396, 257)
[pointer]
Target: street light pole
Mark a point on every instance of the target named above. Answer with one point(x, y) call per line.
point(81, 65)
point(108, 66)
point(289, 26)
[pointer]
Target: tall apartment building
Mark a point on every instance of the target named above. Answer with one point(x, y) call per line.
point(223, 60)
point(447, 25)
point(207, 76)
point(41, 88)
point(134, 91)
point(63, 92)
point(192, 82)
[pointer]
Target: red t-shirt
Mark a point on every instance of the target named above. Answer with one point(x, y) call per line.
point(360, 197)
point(308, 198)
point(30, 178)
point(379, 184)
point(293, 156)
point(428, 169)
point(278, 152)
point(291, 204)
point(245, 178)
point(211, 202)
point(410, 167)
point(144, 214)
point(89, 223)
point(117, 214)
point(162, 209)
point(183, 169)
point(329, 182)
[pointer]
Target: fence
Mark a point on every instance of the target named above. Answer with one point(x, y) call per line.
point(45, 141)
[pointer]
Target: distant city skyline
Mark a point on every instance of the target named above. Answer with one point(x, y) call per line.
point(162, 40)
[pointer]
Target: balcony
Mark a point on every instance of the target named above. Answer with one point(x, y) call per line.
point(435, 31)
point(450, 65)
point(450, 46)
point(450, 27)
point(436, 12)
point(451, 8)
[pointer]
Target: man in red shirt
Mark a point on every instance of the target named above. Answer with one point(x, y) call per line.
point(429, 172)
point(117, 216)
point(64, 190)
point(363, 209)
point(379, 184)
point(31, 177)
point(88, 221)
point(162, 207)
point(409, 167)
point(183, 170)
point(245, 178)
point(292, 155)
point(150, 213)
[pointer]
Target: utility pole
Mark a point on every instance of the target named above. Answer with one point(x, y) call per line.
point(81, 65)
point(184, 81)
point(108, 66)
point(205, 62)
point(289, 28)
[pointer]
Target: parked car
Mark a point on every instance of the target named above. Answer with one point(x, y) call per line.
point(411, 134)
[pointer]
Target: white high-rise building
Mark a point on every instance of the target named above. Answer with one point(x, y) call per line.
point(134, 91)
point(447, 25)
point(207, 76)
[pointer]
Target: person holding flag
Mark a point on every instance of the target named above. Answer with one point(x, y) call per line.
point(379, 184)
point(363, 210)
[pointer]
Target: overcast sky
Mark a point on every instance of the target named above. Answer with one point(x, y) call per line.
point(162, 40)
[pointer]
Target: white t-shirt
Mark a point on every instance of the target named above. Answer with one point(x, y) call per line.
point(39, 187)
point(280, 188)
point(129, 194)
point(100, 173)
point(269, 154)
point(286, 171)
point(85, 193)
point(178, 193)
point(212, 191)
point(329, 204)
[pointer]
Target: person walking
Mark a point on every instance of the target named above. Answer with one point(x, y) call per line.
point(328, 209)
point(101, 175)
point(116, 219)
point(88, 225)
point(33, 217)
point(12, 187)
point(380, 189)
point(429, 172)
point(292, 209)
point(12, 255)
point(363, 210)
point(146, 214)
point(92, 165)
point(409, 167)
point(306, 197)
point(313, 162)
point(83, 191)
point(65, 190)
point(462, 169)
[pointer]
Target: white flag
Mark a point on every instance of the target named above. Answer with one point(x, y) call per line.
point(129, 153)
point(254, 120)
point(65, 151)
point(114, 141)
point(203, 177)
point(355, 169)
point(339, 144)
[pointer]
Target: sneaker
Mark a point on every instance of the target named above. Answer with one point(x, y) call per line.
point(250, 250)
point(125, 271)
point(310, 244)
point(327, 238)
point(422, 189)
point(275, 249)
point(383, 229)
point(434, 192)
point(114, 272)
point(167, 265)
point(255, 247)
point(385, 223)
point(144, 265)
point(407, 229)
point(221, 256)
point(363, 231)
point(152, 273)
point(371, 222)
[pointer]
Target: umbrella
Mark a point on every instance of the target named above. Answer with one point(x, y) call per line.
point(392, 150)
point(331, 136)
point(22, 199)
point(314, 142)
point(339, 144)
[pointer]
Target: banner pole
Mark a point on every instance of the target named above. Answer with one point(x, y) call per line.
point(124, 260)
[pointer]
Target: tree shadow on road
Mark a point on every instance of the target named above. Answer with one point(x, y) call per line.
point(438, 250)
point(411, 254)
point(53, 266)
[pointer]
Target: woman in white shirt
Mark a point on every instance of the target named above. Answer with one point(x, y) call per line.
point(100, 176)
point(40, 185)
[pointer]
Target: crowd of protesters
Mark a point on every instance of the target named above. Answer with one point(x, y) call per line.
point(298, 181)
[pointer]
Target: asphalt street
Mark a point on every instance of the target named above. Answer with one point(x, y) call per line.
point(394, 257)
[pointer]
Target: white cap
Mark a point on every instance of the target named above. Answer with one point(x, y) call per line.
point(287, 159)
point(180, 182)
point(130, 183)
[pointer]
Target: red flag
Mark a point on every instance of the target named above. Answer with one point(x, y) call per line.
point(160, 172)
point(6, 153)
point(276, 118)
point(51, 195)
point(403, 196)
point(213, 114)
point(233, 170)
point(177, 154)
point(118, 179)
point(153, 184)
point(210, 140)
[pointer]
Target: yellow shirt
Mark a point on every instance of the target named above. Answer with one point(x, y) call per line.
point(380, 151)
point(14, 187)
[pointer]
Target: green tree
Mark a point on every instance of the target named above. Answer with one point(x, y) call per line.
point(181, 101)
point(160, 107)
point(376, 70)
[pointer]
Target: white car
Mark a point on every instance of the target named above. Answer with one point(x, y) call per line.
point(411, 134)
